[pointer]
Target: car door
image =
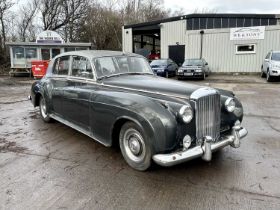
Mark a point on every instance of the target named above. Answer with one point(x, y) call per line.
point(77, 93)
point(58, 82)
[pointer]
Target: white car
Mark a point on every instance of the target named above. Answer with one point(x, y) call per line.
point(271, 65)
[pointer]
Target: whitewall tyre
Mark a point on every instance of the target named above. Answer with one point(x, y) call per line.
point(134, 146)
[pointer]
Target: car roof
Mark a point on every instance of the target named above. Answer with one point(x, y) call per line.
point(275, 51)
point(97, 53)
point(195, 59)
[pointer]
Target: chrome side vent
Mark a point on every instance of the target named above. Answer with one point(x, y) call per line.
point(207, 112)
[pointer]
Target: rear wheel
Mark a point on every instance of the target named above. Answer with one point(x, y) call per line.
point(44, 110)
point(135, 148)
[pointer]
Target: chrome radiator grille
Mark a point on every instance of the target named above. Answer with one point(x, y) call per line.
point(208, 114)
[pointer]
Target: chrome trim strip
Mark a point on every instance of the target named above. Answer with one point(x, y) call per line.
point(91, 81)
point(204, 151)
point(75, 127)
point(202, 92)
point(145, 91)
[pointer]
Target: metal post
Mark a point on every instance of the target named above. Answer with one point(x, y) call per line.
point(201, 43)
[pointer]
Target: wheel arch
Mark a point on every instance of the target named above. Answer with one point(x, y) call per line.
point(37, 99)
point(116, 128)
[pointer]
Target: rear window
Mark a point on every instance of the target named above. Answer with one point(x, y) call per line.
point(61, 65)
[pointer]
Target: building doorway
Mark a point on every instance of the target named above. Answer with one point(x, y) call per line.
point(177, 53)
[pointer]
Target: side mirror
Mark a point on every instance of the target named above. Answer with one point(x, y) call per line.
point(266, 60)
point(206, 64)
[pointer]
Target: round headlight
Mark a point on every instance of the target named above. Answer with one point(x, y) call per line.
point(230, 104)
point(186, 113)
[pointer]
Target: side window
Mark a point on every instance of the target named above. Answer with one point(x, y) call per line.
point(268, 56)
point(81, 67)
point(61, 65)
point(105, 66)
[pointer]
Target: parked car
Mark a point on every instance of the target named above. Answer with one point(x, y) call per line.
point(271, 65)
point(114, 97)
point(164, 67)
point(194, 68)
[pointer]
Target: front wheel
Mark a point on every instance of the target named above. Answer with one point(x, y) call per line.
point(268, 77)
point(203, 76)
point(166, 74)
point(44, 110)
point(135, 148)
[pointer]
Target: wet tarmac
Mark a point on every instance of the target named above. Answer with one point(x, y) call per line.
point(51, 166)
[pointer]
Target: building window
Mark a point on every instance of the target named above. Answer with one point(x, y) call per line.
point(18, 52)
point(245, 49)
point(31, 53)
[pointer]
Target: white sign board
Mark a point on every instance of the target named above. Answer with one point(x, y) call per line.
point(49, 37)
point(247, 33)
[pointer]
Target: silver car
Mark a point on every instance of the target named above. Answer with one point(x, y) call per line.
point(271, 65)
point(194, 68)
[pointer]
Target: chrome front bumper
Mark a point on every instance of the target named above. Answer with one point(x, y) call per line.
point(204, 151)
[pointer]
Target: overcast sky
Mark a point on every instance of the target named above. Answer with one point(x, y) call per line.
point(225, 6)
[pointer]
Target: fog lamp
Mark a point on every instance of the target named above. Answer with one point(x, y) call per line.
point(187, 140)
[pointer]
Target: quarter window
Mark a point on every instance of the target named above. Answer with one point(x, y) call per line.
point(61, 66)
point(245, 49)
point(81, 67)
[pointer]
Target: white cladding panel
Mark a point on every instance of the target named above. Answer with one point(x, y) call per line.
point(172, 33)
point(127, 41)
point(220, 52)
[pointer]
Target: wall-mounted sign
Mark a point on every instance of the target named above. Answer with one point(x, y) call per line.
point(247, 33)
point(49, 37)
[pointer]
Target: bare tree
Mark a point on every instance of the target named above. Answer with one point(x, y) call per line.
point(102, 27)
point(59, 13)
point(5, 5)
point(25, 24)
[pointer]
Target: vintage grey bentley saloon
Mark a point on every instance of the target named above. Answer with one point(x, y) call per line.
point(114, 98)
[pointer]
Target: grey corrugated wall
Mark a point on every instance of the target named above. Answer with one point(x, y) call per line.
point(220, 51)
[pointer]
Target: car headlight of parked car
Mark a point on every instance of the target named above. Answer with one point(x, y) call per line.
point(180, 70)
point(230, 104)
point(186, 113)
point(198, 70)
point(275, 66)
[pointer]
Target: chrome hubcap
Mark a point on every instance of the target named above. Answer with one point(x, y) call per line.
point(134, 145)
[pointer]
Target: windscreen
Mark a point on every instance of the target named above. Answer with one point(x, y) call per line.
point(158, 62)
point(275, 57)
point(108, 66)
point(193, 62)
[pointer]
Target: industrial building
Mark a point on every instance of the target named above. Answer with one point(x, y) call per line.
point(228, 42)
